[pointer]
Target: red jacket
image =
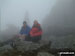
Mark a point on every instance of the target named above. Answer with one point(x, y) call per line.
point(36, 31)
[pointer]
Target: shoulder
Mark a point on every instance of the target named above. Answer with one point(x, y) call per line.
point(39, 27)
point(38, 24)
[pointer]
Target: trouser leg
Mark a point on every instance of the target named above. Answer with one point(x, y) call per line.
point(36, 39)
point(28, 38)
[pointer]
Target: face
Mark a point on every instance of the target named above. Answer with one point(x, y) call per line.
point(35, 22)
point(24, 25)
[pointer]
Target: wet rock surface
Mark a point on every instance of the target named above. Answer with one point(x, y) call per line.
point(24, 48)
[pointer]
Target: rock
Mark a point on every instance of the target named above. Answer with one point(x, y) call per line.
point(44, 54)
point(21, 45)
point(28, 46)
point(5, 48)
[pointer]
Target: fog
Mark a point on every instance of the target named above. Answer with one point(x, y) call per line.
point(59, 24)
point(61, 19)
point(14, 11)
point(57, 18)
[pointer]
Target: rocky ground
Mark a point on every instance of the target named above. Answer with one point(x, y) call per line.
point(25, 48)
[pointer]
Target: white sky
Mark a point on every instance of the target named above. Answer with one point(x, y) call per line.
point(13, 11)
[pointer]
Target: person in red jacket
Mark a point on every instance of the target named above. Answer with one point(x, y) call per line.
point(36, 32)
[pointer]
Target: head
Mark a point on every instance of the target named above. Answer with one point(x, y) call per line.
point(35, 22)
point(24, 24)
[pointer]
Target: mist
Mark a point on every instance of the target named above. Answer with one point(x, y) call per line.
point(61, 17)
point(59, 24)
point(14, 11)
point(57, 18)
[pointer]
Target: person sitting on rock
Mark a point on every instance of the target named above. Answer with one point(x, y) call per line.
point(25, 30)
point(36, 32)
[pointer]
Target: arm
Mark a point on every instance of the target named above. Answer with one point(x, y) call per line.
point(28, 31)
point(37, 34)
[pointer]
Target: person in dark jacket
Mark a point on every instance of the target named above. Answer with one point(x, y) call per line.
point(36, 32)
point(25, 30)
